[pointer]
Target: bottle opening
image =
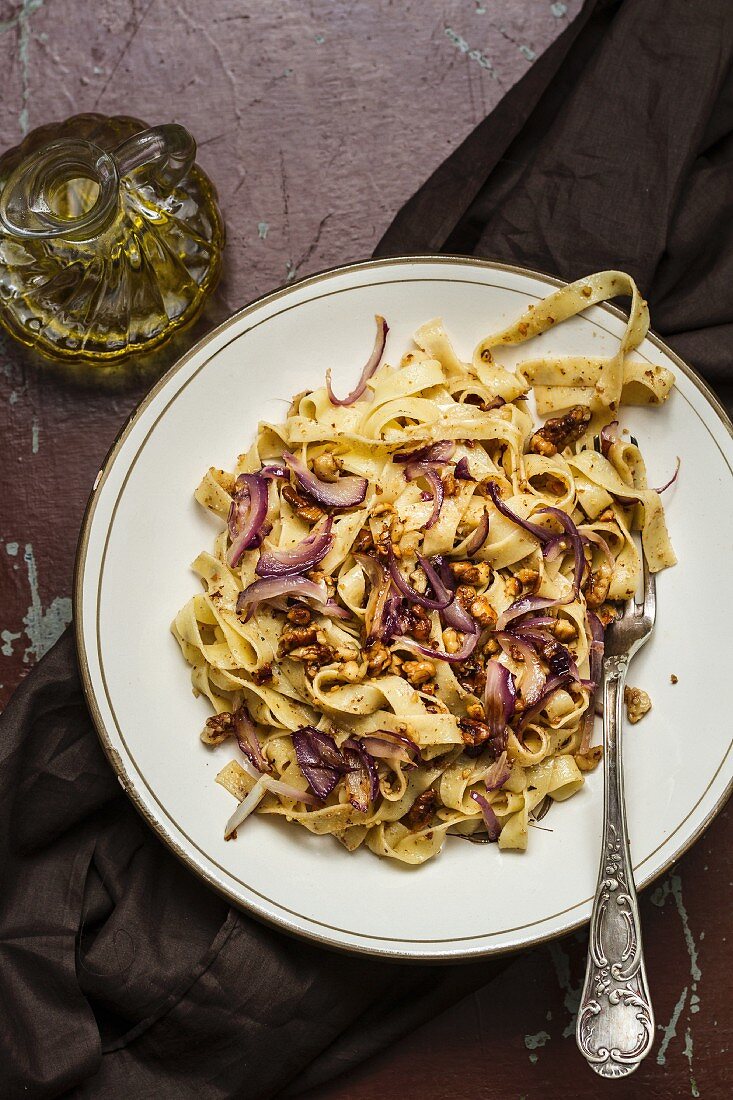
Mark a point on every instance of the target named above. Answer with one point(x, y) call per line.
point(73, 198)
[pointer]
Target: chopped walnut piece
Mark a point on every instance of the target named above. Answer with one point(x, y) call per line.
point(295, 636)
point(217, 728)
point(588, 761)
point(326, 467)
point(607, 613)
point(512, 587)
point(417, 623)
point(313, 656)
point(559, 432)
point(597, 585)
point(451, 640)
point(483, 612)
point(476, 712)
point(299, 614)
point(262, 675)
point(528, 578)
point(363, 541)
point(474, 732)
point(674, 679)
point(492, 647)
point(637, 704)
point(422, 811)
point(465, 594)
point(450, 485)
point(565, 630)
point(378, 658)
point(418, 672)
point(607, 516)
point(304, 508)
point(353, 671)
point(477, 573)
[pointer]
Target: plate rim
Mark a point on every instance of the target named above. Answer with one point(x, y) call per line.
point(128, 783)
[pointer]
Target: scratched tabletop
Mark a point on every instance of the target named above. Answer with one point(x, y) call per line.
point(317, 120)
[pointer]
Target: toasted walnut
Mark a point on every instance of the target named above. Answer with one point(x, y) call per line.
point(363, 541)
point(492, 647)
point(451, 640)
point(476, 712)
point(418, 672)
point(512, 587)
point(589, 761)
point(528, 578)
point(378, 658)
point(299, 614)
point(465, 594)
point(560, 431)
point(637, 704)
point(417, 623)
point(597, 585)
point(327, 467)
point(674, 679)
point(313, 656)
point(294, 636)
point(565, 630)
point(262, 675)
point(607, 516)
point(483, 612)
point(474, 732)
point(304, 508)
point(217, 728)
point(418, 580)
point(468, 572)
point(422, 811)
point(450, 485)
point(607, 614)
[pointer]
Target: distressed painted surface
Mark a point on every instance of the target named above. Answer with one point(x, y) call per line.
point(317, 120)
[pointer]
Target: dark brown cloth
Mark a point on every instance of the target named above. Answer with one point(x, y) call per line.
point(123, 976)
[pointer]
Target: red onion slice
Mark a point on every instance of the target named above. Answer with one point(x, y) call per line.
point(531, 528)
point(551, 686)
point(285, 790)
point(498, 773)
point(319, 759)
point(442, 596)
point(247, 514)
point(434, 480)
point(369, 367)
point(479, 536)
point(493, 828)
point(344, 493)
point(574, 539)
point(528, 603)
point(462, 471)
point(532, 678)
point(247, 739)
point(609, 436)
point(500, 697)
point(362, 779)
point(589, 535)
point(467, 647)
point(274, 470)
point(286, 563)
point(392, 747)
point(439, 452)
point(272, 587)
point(672, 479)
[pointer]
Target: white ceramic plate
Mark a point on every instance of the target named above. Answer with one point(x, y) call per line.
point(143, 527)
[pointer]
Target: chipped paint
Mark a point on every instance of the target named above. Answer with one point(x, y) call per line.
point(475, 55)
point(676, 889)
point(670, 1031)
point(688, 1055)
point(12, 548)
point(8, 637)
point(319, 39)
point(532, 1042)
point(558, 10)
point(35, 435)
point(24, 39)
point(561, 962)
point(42, 628)
point(262, 228)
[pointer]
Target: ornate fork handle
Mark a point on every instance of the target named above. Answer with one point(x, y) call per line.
point(615, 1027)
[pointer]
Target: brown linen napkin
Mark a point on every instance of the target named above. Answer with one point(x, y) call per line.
point(121, 975)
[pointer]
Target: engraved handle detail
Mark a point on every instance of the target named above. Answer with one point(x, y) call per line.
point(615, 1028)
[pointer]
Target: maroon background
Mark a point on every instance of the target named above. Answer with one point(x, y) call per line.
point(317, 121)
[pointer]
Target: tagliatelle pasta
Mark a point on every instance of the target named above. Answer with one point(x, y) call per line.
point(401, 622)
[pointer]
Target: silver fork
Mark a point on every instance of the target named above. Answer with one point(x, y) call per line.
point(615, 1028)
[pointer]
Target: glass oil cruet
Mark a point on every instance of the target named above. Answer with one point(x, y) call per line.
point(110, 238)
